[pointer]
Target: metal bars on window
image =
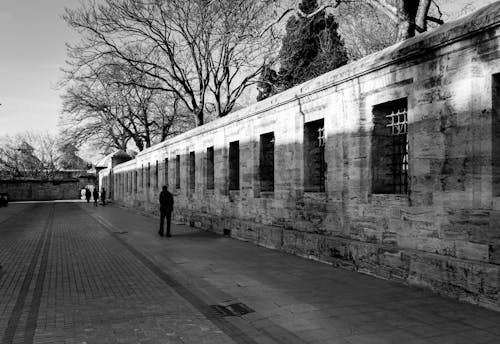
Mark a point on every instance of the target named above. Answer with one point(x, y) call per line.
point(398, 124)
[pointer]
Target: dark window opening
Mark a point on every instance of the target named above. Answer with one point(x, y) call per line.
point(210, 169)
point(266, 162)
point(142, 176)
point(156, 174)
point(192, 171)
point(135, 181)
point(495, 127)
point(165, 172)
point(390, 148)
point(234, 165)
point(314, 156)
point(148, 177)
point(177, 171)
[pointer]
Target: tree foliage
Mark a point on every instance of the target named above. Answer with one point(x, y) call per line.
point(311, 46)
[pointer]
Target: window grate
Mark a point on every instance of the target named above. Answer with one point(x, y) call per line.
point(399, 162)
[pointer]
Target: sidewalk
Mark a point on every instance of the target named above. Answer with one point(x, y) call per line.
point(291, 299)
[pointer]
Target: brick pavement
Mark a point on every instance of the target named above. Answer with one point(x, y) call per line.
point(79, 274)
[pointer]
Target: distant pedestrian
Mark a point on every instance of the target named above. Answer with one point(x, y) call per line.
point(3, 201)
point(87, 194)
point(96, 196)
point(166, 208)
point(103, 196)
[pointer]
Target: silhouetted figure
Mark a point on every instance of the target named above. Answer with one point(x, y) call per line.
point(3, 201)
point(96, 196)
point(87, 194)
point(103, 196)
point(166, 208)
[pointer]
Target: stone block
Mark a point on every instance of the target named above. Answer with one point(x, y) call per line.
point(471, 251)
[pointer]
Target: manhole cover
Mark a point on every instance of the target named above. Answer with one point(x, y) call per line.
point(235, 309)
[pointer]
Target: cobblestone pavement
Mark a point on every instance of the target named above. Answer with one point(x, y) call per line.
point(73, 273)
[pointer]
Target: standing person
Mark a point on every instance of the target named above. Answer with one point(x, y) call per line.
point(103, 196)
point(87, 194)
point(96, 196)
point(166, 208)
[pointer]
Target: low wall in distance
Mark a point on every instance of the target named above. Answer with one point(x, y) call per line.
point(41, 190)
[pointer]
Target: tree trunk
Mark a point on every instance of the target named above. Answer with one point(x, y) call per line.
point(407, 13)
point(199, 116)
point(421, 18)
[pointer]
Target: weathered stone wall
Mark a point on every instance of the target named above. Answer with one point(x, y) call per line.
point(41, 190)
point(443, 234)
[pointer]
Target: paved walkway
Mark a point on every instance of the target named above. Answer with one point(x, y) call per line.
point(73, 273)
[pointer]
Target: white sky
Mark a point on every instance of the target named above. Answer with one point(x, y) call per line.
point(32, 51)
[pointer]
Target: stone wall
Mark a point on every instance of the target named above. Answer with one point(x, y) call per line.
point(41, 190)
point(439, 229)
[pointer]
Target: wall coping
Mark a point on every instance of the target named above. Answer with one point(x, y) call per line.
point(484, 19)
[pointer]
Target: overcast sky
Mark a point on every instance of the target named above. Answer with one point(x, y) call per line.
point(32, 51)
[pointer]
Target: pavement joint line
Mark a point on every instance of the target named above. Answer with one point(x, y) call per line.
point(224, 325)
point(17, 311)
point(31, 324)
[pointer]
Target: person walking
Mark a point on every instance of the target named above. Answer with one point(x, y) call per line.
point(95, 194)
point(103, 196)
point(87, 194)
point(166, 208)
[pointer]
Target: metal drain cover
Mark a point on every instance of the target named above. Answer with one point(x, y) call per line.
point(232, 310)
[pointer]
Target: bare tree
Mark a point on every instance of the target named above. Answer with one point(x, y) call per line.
point(29, 155)
point(204, 53)
point(104, 102)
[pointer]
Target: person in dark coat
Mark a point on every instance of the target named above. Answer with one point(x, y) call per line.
point(166, 208)
point(103, 196)
point(87, 194)
point(95, 194)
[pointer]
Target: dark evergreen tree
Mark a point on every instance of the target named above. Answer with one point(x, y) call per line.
point(312, 46)
point(267, 83)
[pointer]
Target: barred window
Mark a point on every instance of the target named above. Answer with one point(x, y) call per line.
point(390, 148)
point(314, 156)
